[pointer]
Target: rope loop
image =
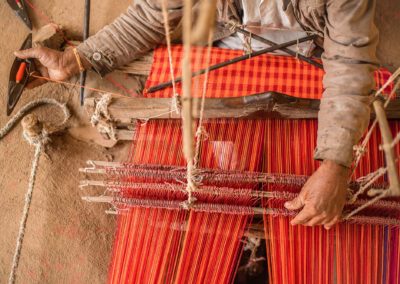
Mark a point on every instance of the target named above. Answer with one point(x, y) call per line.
point(34, 131)
point(36, 134)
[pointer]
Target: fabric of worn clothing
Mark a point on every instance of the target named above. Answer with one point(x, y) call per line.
point(268, 19)
point(347, 34)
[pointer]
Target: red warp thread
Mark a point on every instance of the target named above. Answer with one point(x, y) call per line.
point(202, 251)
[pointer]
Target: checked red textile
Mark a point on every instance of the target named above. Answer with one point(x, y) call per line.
point(281, 74)
point(178, 246)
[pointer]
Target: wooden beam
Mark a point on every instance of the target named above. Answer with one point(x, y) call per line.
point(264, 105)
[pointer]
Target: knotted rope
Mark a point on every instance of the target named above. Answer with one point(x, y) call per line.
point(175, 105)
point(36, 134)
point(101, 118)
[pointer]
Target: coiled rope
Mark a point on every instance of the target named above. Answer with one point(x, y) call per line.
point(37, 135)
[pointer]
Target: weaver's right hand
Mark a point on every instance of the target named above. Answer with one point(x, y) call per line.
point(50, 63)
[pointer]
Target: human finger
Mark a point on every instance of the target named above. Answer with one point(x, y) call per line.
point(317, 220)
point(303, 217)
point(36, 52)
point(332, 222)
point(294, 204)
point(36, 82)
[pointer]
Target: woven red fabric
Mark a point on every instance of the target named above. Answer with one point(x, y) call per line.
point(282, 74)
point(177, 246)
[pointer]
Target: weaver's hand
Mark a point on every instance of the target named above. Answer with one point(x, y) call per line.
point(322, 197)
point(51, 64)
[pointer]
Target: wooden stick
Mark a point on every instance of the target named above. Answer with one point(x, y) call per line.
point(285, 49)
point(205, 22)
point(166, 204)
point(175, 172)
point(387, 139)
point(116, 186)
point(86, 23)
point(224, 209)
point(98, 167)
point(187, 119)
point(253, 230)
point(120, 186)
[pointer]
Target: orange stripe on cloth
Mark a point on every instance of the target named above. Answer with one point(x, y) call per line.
point(263, 73)
point(177, 246)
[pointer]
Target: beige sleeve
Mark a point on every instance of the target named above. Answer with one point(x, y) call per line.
point(349, 61)
point(138, 30)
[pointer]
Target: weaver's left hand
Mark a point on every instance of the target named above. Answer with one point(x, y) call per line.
point(322, 197)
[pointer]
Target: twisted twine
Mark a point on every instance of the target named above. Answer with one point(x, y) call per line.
point(38, 136)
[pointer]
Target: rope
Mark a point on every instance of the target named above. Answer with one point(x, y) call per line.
point(25, 213)
point(37, 136)
point(175, 97)
point(29, 107)
point(365, 205)
point(200, 129)
point(367, 181)
point(396, 140)
point(101, 118)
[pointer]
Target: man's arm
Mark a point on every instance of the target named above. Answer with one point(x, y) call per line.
point(349, 61)
point(138, 30)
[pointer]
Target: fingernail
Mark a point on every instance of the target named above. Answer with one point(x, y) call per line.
point(286, 204)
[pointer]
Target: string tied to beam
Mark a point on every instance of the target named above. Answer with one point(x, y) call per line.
point(367, 181)
point(359, 150)
point(101, 118)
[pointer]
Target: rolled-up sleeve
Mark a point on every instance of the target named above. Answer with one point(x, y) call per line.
point(349, 61)
point(138, 30)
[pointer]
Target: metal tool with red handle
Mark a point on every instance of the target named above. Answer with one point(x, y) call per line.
point(19, 76)
point(20, 9)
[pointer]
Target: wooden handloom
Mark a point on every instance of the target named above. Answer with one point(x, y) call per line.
point(184, 221)
point(249, 163)
point(134, 188)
